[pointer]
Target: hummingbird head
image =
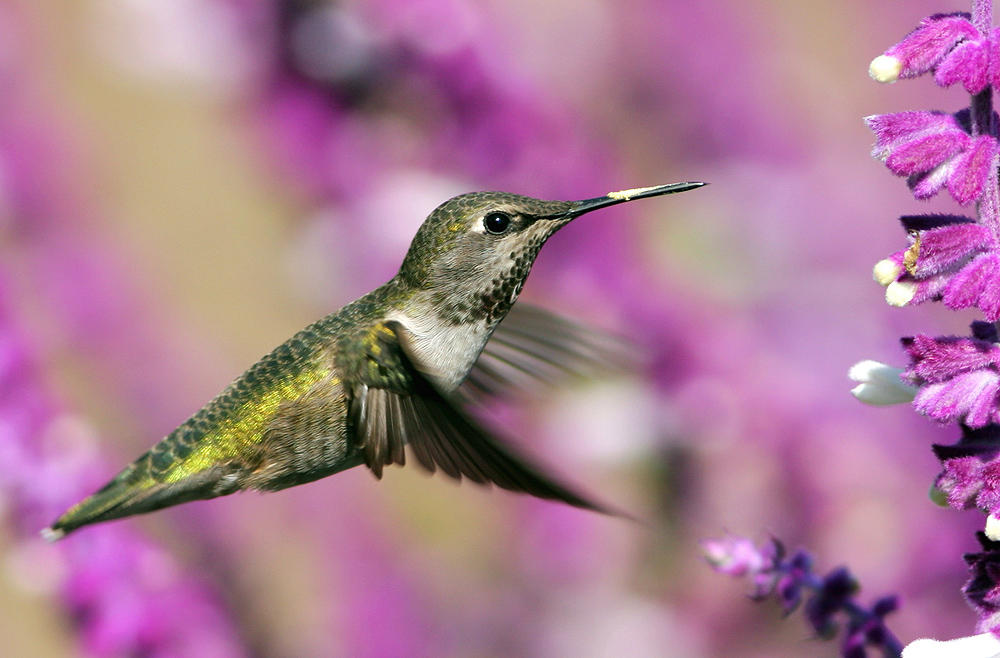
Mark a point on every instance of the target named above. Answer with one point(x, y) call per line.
point(474, 252)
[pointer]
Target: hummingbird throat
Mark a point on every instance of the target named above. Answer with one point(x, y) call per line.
point(449, 328)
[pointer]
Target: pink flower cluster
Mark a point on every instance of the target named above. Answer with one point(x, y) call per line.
point(955, 260)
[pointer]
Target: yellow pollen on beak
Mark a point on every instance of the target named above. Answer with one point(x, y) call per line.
point(626, 195)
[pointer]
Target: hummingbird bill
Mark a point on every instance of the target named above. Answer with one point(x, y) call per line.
point(391, 372)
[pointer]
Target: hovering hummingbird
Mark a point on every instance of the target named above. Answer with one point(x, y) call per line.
point(381, 373)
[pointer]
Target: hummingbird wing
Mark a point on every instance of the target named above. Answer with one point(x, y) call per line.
point(387, 414)
point(532, 346)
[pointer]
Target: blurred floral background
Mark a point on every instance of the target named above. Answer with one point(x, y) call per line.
point(184, 185)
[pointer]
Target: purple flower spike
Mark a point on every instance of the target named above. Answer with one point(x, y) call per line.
point(955, 260)
point(828, 598)
point(925, 47)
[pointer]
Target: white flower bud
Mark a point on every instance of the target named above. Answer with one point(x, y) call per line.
point(900, 293)
point(885, 68)
point(992, 529)
point(879, 384)
point(886, 271)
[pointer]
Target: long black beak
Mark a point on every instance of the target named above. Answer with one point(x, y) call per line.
point(614, 198)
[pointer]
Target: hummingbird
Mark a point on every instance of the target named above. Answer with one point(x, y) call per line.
point(384, 372)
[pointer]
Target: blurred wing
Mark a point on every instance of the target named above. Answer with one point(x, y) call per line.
point(532, 346)
point(440, 435)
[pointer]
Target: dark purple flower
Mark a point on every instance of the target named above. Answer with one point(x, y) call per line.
point(982, 590)
point(828, 599)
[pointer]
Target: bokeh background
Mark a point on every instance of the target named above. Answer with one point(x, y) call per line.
point(185, 184)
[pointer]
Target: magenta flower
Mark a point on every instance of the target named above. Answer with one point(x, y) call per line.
point(955, 260)
point(951, 259)
point(934, 150)
point(948, 44)
point(970, 477)
point(958, 378)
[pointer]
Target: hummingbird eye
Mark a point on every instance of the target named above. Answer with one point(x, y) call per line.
point(496, 222)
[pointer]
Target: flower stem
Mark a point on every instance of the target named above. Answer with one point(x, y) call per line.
point(982, 15)
point(983, 124)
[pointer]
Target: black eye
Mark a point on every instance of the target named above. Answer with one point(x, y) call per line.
point(496, 222)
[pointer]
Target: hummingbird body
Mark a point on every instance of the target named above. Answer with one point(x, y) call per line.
point(382, 373)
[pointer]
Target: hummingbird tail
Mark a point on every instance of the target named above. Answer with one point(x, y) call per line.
point(127, 495)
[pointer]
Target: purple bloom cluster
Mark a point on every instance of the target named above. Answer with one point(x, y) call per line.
point(791, 579)
point(934, 150)
point(950, 46)
point(958, 378)
point(953, 259)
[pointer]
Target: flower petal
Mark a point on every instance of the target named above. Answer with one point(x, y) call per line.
point(960, 480)
point(971, 169)
point(920, 290)
point(939, 359)
point(890, 128)
point(936, 35)
point(975, 283)
point(952, 400)
point(926, 152)
point(927, 184)
point(968, 63)
point(944, 248)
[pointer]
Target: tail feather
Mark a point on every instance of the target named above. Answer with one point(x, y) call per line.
point(127, 495)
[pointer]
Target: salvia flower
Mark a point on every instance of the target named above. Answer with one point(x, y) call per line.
point(934, 150)
point(951, 258)
point(948, 44)
point(958, 378)
point(970, 475)
point(829, 600)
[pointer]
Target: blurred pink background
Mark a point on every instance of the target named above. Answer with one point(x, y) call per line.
point(184, 185)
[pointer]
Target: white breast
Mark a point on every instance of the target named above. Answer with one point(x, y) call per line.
point(444, 353)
